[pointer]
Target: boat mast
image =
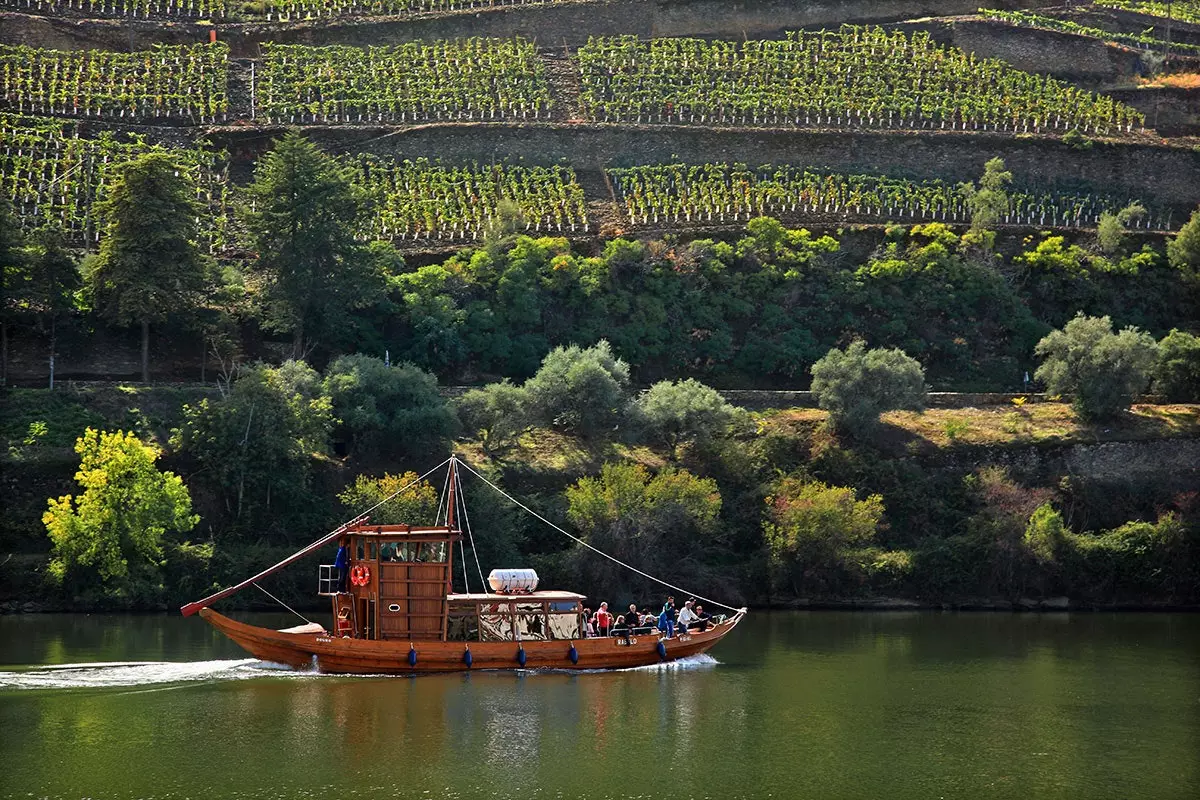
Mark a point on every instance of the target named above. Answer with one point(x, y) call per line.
point(452, 497)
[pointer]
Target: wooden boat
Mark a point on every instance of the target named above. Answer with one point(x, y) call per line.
point(394, 612)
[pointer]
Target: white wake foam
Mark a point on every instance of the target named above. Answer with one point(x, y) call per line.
point(129, 673)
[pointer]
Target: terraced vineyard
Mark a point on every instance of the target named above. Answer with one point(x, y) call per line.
point(724, 193)
point(53, 176)
point(1143, 41)
point(472, 79)
point(418, 200)
point(271, 10)
point(855, 76)
point(186, 83)
point(1182, 11)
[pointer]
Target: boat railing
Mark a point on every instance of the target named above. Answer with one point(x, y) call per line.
point(328, 579)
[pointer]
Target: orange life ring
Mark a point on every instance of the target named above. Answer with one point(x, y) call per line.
point(360, 575)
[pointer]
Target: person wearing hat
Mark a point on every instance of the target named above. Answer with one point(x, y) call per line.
point(687, 616)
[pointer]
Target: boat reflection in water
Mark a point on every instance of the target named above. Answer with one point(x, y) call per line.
point(394, 612)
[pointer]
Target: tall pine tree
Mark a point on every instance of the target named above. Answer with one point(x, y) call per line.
point(149, 268)
point(310, 267)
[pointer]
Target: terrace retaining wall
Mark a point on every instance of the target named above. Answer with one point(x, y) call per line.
point(1164, 175)
point(551, 24)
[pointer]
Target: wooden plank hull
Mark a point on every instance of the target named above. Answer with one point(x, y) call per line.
point(327, 653)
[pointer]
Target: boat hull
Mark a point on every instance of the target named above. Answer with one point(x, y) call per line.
point(367, 657)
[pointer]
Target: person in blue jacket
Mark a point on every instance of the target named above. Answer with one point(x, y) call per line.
point(342, 565)
point(666, 619)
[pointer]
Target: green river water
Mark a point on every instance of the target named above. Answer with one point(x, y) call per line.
point(791, 705)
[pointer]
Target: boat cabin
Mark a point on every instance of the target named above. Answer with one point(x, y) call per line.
point(397, 585)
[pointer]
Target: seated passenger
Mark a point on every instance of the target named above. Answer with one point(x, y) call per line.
point(702, 619)
point(687, 616)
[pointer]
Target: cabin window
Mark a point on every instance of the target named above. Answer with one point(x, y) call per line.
point(360, 553)
point(405, 551)
point(495, 622)
point(463, 623)
point(371, 551)
point(531, 622)
point(389, 551)
point(432, 552)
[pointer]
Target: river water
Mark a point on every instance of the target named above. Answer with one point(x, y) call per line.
point(791, 705)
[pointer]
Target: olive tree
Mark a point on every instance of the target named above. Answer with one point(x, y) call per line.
point(580, 390)
point(683, 412)
point(497, 414)
point(856, 385)
point(1101, 370)
point(1177, 372)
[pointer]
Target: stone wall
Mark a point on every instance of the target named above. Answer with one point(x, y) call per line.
point(1165, 175)
point(551, 24)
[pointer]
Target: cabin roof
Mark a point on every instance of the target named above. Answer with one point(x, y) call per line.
point(537, 597)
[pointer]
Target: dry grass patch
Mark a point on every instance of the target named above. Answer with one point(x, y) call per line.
point(1176, 80)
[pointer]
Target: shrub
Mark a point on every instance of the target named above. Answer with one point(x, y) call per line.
point(580, 390)
point(1101, 370)
point(1177, 373)
point(812, 528)
point(856, 385)
point(416, 505)
point(684, 412)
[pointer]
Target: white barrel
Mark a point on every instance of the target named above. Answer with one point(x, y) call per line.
point(513, 580)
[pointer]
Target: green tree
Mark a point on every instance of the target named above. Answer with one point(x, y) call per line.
point(1177, 373)
point(856, 385)
point(580, 390)
point(52, 286)
point(416, 505)
point(988, 202)
point(256, 444)
point(1183, 251)
point(311, 268)
point(392, 410)
point(110, 537)
point(496, 414)
point(1100, 369)
point(12, 279)
point(684, 412)
point(1112, 228)
point(149, 268)
point(667, 524)
point(811, 530)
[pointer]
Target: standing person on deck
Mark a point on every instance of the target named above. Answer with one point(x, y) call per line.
point(667, 617)
point(341, 563)
point(603, 620)
point(686, 616)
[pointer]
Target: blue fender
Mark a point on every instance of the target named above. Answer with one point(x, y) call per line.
point(573, 654)
point(467, 659)
point(662, 650)
point(521, 656)
point(412, 656)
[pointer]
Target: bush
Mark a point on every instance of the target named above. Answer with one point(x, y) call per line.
point(685, 412)
point(1184, 250)
point(1177, 373)
point(1101, 370)
point(416, 505)
point(662, 523)
point(812, 529)
point(856, 385)
point(393, 410)
point(580, 390)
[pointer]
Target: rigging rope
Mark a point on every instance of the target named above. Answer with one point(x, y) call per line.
point(285, 605)
point(615, 560)
point(467, 521)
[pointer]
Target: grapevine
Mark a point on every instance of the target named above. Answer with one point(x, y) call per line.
point(1143, 41)
point(468, 79)
point(863, 77)
point(187, 82)
point(51, 175)
point(419, 200)
point(275, 10)
point(724, 193)
point(1180, 11)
